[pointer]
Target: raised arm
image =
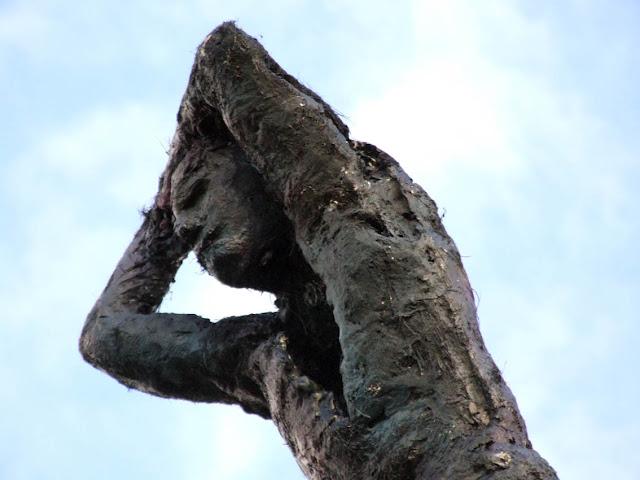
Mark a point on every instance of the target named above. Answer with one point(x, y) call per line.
point(210, 201)
point(123, 317)
point(170, 355)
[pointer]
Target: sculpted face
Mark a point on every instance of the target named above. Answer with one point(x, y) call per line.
point(219, 204)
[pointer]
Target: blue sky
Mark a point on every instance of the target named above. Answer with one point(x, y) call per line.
point(519, 117)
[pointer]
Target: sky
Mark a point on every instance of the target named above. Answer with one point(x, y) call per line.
point(520, 118)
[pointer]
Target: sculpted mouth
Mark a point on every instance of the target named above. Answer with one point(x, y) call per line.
point(207, 248)
point(208, 239)
point(217, 246)
point(226, 257)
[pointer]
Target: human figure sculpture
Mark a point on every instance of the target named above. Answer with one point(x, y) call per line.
point(373, 367)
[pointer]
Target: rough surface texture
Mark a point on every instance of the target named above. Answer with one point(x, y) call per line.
point(374, 367)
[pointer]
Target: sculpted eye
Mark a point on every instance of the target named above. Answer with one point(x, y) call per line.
point(189, 192)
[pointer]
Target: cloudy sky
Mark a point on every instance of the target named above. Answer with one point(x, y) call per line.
point(519, 117)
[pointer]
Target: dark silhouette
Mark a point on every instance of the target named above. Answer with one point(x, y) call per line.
point(373, 367)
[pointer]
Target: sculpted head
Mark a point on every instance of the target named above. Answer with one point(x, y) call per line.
point(239, 233)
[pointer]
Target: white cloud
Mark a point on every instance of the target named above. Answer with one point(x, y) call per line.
point(22, 28)
point(238, 446)
point(120, 149)
point(580, 446)
point(441, 112)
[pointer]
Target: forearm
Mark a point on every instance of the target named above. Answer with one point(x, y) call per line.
point(144, 273)
point(120, 317)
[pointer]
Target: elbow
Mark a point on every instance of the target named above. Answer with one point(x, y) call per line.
point(85, 345)
point(88, 344)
